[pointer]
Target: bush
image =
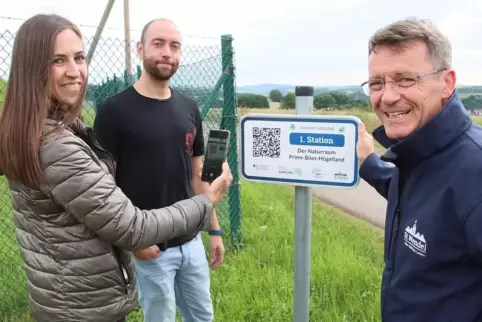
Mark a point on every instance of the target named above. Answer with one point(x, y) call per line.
point(275, 95)
point(252, 101)
point(472, 102)
point(339, 101)
point(288, 102)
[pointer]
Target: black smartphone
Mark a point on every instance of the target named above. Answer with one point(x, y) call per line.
point(216, 153)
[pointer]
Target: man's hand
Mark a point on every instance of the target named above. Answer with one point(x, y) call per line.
point(217, 252)
point(199, 187)
point(365, 145)
point(147, 254)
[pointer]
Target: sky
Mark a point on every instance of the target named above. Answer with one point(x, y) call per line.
point(303, 42)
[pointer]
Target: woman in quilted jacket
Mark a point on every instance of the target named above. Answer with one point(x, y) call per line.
point(74, 226)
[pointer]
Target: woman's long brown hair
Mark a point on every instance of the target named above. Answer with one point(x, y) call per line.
point(29, 100)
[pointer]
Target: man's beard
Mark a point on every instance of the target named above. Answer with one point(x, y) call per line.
point(150, 66)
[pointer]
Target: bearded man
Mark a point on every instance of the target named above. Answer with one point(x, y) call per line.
point(156, 137)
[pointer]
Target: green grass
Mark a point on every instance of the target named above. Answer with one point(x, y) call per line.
point(256, 284)
point(88, 114)
point(477, 119)
point(12, 287)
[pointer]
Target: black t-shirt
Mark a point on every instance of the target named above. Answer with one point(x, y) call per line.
point(153, 142)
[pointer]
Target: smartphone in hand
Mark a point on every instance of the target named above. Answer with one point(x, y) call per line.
point(216, 153)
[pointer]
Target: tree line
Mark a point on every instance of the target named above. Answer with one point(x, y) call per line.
point(247, 100)
point(472, 102)
point(325, 100)
point(331, 100)
point(341, 100)
point(477, 90)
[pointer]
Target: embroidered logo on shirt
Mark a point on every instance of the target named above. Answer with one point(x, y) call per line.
point(189, 141)
point(414, 240)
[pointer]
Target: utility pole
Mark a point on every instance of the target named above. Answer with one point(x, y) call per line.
point(99, 30)
point(127, 36)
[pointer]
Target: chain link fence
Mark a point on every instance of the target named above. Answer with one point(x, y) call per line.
point(206, 74)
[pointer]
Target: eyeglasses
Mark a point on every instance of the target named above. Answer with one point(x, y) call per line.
point(400, 83)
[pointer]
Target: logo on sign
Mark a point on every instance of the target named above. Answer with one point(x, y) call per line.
point(285, 170)
point(316, 173)
point(261, 167)
point(341, 176)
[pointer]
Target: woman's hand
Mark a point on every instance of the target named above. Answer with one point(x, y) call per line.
point(217, 190)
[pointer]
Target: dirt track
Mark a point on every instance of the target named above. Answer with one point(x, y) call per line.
point(363, 202)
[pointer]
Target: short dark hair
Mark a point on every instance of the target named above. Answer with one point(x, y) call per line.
point(144, 30)
point(143, 33)
point(400, 32)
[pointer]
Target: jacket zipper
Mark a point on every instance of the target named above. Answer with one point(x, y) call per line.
point(121, 265)
point(96, 144)
point(398, 214)
point(395, 228)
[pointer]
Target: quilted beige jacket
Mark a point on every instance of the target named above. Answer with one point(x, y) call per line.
point(75, 233)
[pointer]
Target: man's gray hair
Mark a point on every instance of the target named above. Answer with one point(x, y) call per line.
point(400, 33)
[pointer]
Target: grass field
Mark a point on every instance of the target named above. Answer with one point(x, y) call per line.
point(11, 272)
point(256, 284)
point(368, 118)
point(477, 119)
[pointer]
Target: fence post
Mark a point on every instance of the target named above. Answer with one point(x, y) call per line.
point(229, 121)
point(126, 80)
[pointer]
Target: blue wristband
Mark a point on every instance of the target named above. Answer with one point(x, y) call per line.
point(218, 232)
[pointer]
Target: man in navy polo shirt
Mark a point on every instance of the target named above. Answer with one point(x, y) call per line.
point(433, 233)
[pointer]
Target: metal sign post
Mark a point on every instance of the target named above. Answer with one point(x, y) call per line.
point(305, 151)
point(303, 213)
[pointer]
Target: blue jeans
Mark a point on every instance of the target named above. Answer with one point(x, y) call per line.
point(179, 275)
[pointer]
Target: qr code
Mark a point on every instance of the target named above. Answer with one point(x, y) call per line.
point(266, 142)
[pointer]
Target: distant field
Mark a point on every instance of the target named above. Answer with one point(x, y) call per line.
point(465, 95)
point(477, 119)
point(368, 118)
